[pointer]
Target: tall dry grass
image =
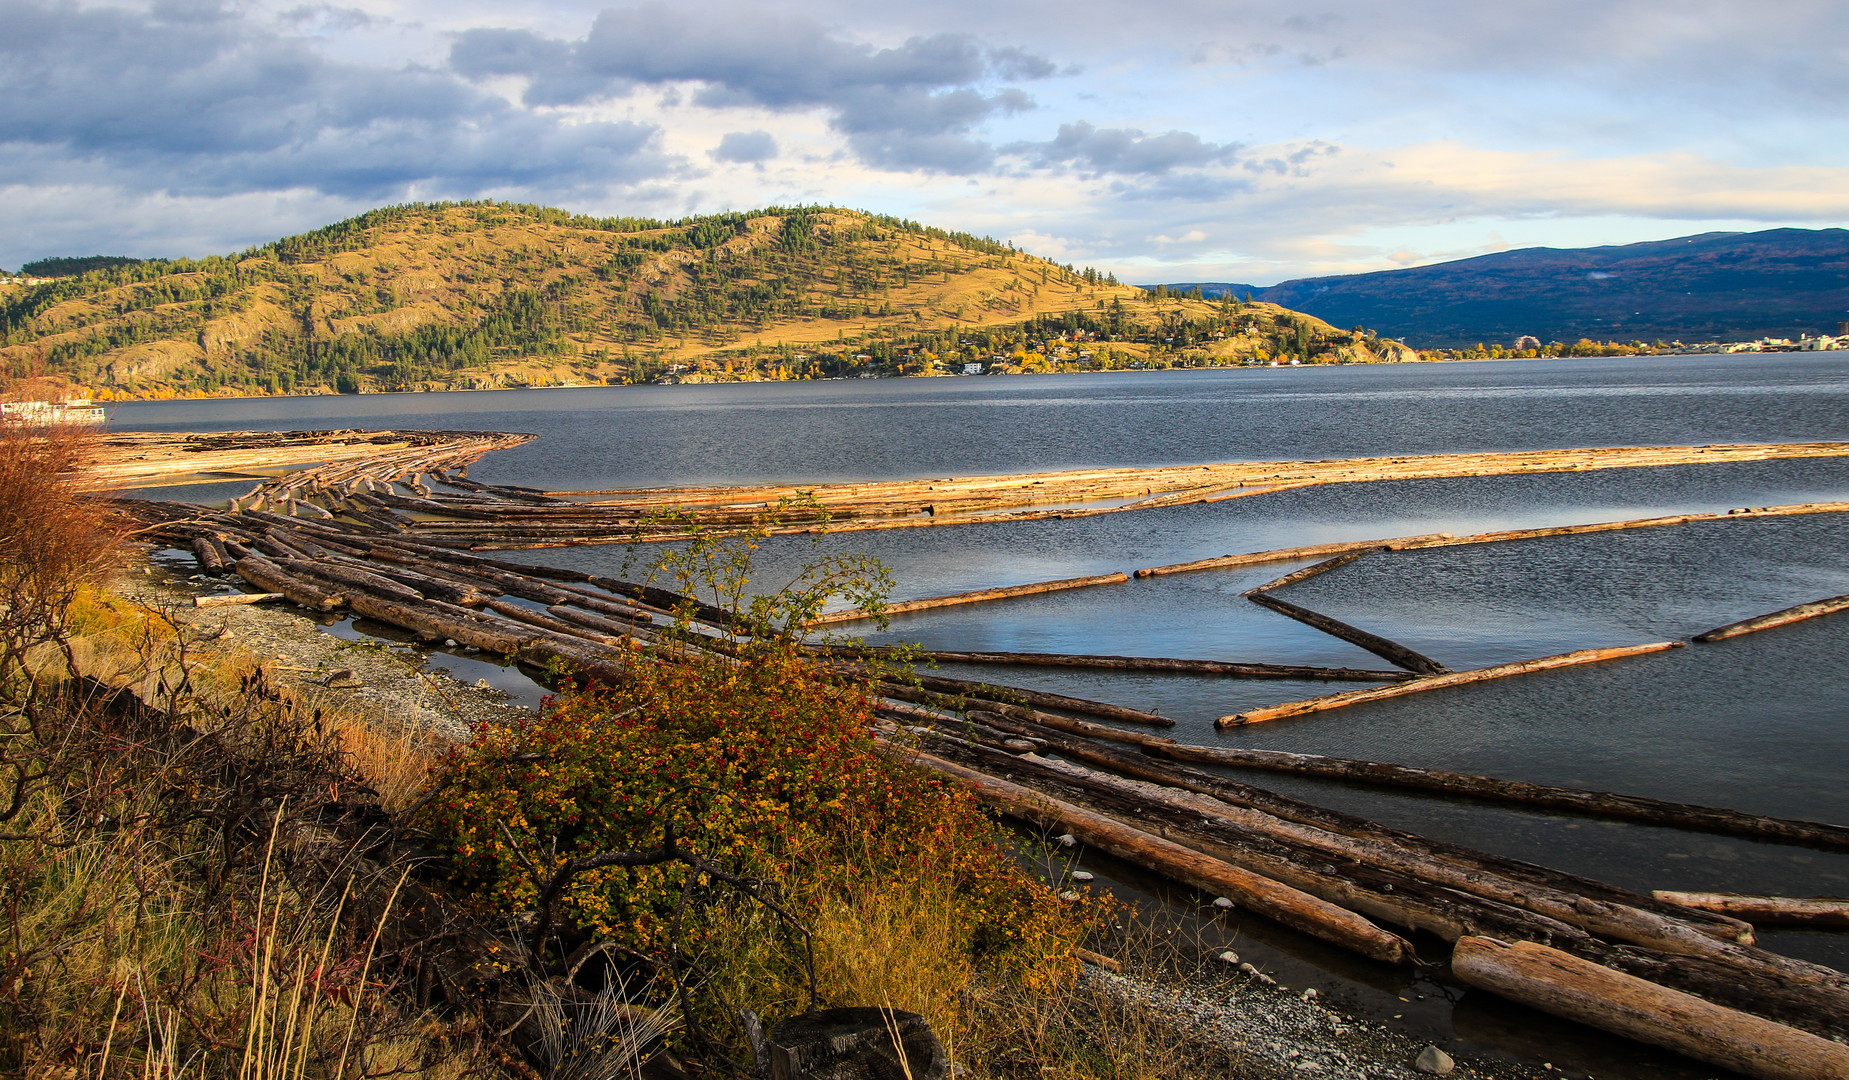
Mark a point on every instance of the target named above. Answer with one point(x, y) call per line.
point(168, 904)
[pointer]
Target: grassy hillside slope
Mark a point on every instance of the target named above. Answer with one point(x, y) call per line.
point(484, 295)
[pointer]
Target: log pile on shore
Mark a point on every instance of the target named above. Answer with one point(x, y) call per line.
point(1681, 972)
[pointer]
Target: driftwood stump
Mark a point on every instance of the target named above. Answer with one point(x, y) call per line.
point(857, 1044)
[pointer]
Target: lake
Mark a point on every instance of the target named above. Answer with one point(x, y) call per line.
point(1760, 723)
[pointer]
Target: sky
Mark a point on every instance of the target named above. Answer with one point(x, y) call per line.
point(1165, 140)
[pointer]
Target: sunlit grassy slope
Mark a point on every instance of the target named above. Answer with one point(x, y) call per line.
point(481, 295)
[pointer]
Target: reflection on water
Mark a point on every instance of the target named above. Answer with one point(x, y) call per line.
point(1759, 723)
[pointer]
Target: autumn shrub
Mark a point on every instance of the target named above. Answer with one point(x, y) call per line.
point(766, 766)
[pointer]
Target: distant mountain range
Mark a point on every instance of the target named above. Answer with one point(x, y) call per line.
point(1710, 287)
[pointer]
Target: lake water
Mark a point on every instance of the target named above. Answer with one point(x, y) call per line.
point(1760, 723)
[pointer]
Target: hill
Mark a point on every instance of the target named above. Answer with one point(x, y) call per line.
point(487, 294)
point(1711, 287)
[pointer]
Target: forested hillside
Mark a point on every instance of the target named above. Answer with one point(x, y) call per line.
point(1711, 287)
point(485, 294)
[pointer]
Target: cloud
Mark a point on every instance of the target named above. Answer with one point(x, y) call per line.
point(199, 99)
point(1124, 151)
point(746, 147)
point(915, 105)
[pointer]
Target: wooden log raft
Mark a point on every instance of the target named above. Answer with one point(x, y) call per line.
point(1335, 822)
point(1277, 902)
point(1390, 651)
point(1436, 682)
point(1830, 911)
point(1673, 952)
point(1553, 982)
point(976, 597)
point(1516, 792)
point(1783, 617)
point(1230, 669)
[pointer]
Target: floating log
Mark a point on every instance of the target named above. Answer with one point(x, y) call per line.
point(1309, 572)
point(1520, 793)
point(1831, 911)
point(976, 597)
point(1391, 651)
point(230, 599)
point(1291, 554)
point(1777, 618)
point(1117, 663)
point(1258, 894)
point(599, 623)
point(1038, 698)
point(1437, 682)
point(556, 626)
point(1446, 539)
point(957, 701)
point(1565, 986)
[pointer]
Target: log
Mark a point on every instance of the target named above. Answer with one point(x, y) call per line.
point(1045, 719)
point(976, 597)
point(1255, 558)
point(230, 599)
point(453, 592)
point(610, 627)
point(435, 625)
point(1578, 990)
point(1309, 572)
point(1039, 699)
point(1437, 682)
point(1784, 617)
point(349, 577)
point(674, 603)
point(1391, 651)
point(1258, 894)
point(1516, 792)
point(1829, 911)
point(560, 627)
point(207, 556)
point(1118, 663)
point(268, 577)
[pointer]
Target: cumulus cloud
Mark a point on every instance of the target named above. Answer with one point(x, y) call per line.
point(198, 99)
point(1124, 151)
point(915, 105)
point(746, 147)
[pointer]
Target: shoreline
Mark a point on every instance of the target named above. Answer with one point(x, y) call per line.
point(424, 392)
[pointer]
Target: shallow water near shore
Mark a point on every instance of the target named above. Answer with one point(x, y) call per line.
point(1760, 723)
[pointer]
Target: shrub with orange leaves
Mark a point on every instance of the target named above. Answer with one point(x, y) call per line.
point(766, 767)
